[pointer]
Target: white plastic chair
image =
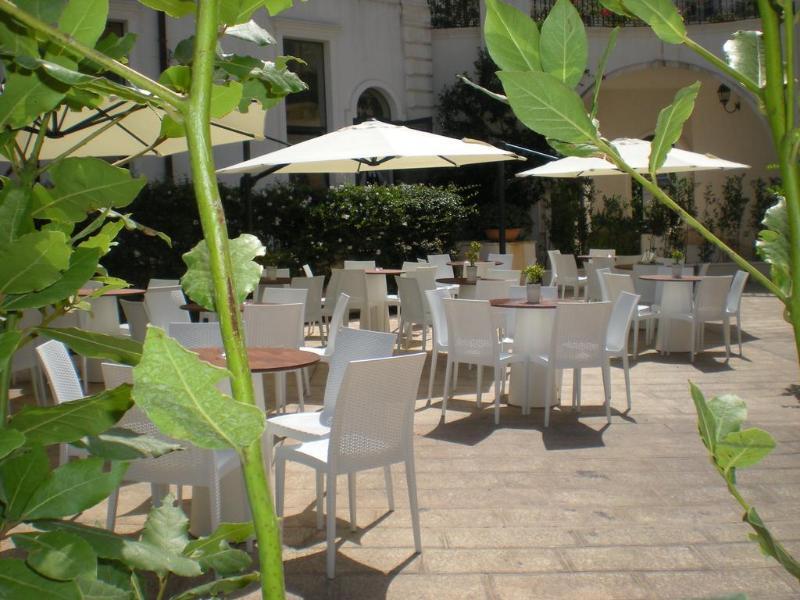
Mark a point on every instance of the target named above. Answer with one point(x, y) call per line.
point(604, 252)
point(163, 305)
point(285, 295)
point(593, 290)
point(275, 326)
point(331, 295)
point(702, 269)
point(372, 427)
point(443, 270)
point(353, 282)
point(137, 317)
point(439, 329)
point(710, 305)
point(578, 342)
point(568, 276)
point(414, 311)
point(674, 302)
point(733, 306)
point(196, 335)
point(425, 276)
point(483, 268)
point(548, 293)
point(336, 325)
point(512, 275)
point(410, 265)
point(473, 339)
point(359, 264)
point(551, 254)
point(619, 326)
point(487, 290)
point(313, 302)
point(506, 259)
point(157, 283)
point(613, 285)
point(307, 271)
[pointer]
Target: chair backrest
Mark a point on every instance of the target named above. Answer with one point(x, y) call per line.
point(115, 374)
point(605, 295)
point(137, 317)
point(486, 290)
point(273, 325)
point(551, 255)
point(645, 289)
point(579, 334)
point(307, 270)
point(506, 259)
point(602, 252)
point(702, 269)
point(443, 269)
point(409, 265)
point(352, 344)
point(615, 284)
point(548, 293)
point(353, 282)
point(164, 306)
point(566, 267)
point(734, 300)
point(359, 264)
point(678, 294)
point(483, 268)
point(283, 273)
point(196, 335)
point(425, 276)
point(411, 299)
point(282, 295)
point(471, 331)
point(313, 302)
point(156, 283)
point(438, 318)
point(619, 323)
point(373, 424)
point(512, 275)
point(60, 371)
point(711, 296)
point(332, 291)
point(422, 261)
point(336, 322)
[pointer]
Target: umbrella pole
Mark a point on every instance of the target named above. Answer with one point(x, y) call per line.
point(245, 189)
point(501, 198)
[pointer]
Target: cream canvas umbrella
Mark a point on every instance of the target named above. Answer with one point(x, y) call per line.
point(123, 128)
point(637, 154)
point(373, 146)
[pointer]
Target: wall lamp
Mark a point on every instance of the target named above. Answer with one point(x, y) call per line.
point(724, 95)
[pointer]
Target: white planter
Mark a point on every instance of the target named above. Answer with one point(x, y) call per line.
point(533, 292)
point(677, 270)
point(471, 273)
point(271, 272)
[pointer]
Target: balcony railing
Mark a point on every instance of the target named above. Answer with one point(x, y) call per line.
point(694, 11)
point(454, 13)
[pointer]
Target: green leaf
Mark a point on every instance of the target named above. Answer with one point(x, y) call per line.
point(251, 32)
point(225, 98)
point(230, 532)
point(104, 239)
point(480, 88)
point(563, 47)
point(277, 6)
point(70, 421)
point(33, 262)
point(10, 440)
point(166, 528)
point(58, 555)
point(132, 225)
point(729, 413)
point(214, 553)
point(741, 449)
point(91, 344)
point(662, 16)
point(197, 282)
point(15, 213)
point(233, 12)
point(15, 39)
point(174, 8)
point(773, 245)
point(20, 477)
point(82, 20)
point(82, 266)
point(617, 7)
point(178, 393)
point(547, 106)
point(9, 340)
point(769, 545)
point(114, 46)
point(119, 443)
point(18, 581)
point(74, 487)
point(218, 587)
point(83, 185)
point(135, 554)
point(706, 423)
point(582, 150)
point(178, 78)
point(744, 53)
point(97, 589)
point(238, 66)
point(670, 125)
point(26, 95)
point(601, 69)
point(512, 37)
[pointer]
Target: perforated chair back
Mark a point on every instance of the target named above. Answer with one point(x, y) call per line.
point(471, 331)
point(337, 322)
point(483, 268)
point(551, 255)
point(711, 297)
point(374, 419)
point(566, 268)
point(196, 335)
point(425, 276)
point(579, 335)
point(438, 318)
point(645, 289)
point(615, 284)
point(734, 299)
point(332, 291)
point(506, 259)
point(619, 324)
point(313, 300)
point(410, 265)
point(353, 282)
point(359, 264)
point(702, 270)
point(512, 275)
point(137, 317)
point(486, 290)
point(60, 371)
point(352, 344)
point(411, 299)
point(114, 375)
point(281, 295)
point(443, 269)
point(164, 306)
point(674, 297)
point(273, 325)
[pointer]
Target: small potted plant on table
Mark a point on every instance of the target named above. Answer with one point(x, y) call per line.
point(533, 282)
point(472, 254)
point(677, 263)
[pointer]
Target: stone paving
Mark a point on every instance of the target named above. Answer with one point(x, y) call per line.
point(579, 510)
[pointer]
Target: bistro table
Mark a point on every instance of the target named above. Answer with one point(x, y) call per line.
point(261, 360)
point(120, 292)
point(466, 290)
point(460, 264)
point(680, 332)
point(532, 331)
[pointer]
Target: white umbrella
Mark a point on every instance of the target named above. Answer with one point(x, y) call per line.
point(373, 146)
point(637, 154)
point(138, 128)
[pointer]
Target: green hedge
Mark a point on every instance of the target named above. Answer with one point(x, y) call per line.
point(388, 223)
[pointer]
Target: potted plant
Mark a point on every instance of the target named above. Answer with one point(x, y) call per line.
point(677, 263)
point(533, 282)
point(516, 220)
point(472, 254)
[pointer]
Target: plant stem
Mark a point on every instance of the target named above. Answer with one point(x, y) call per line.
point(690, 220)
point(212, 217)
point(773, 92)
point(85, 51)
point(5, 372)
point(715, 60)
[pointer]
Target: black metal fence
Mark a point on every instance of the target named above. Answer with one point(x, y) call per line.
point(694, 11)
point(454, 13)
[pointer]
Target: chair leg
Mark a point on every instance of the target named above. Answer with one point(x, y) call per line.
point(635, 339)
point(301, 397)
point(307, 382)
point(387, 477)
point(497, 394)
point(547, 393)
point(480, 384)
point(693, 338)
point(351, 496)
point(411, 481)
point(320, 488)
point(607, 389)
point(455, 376)
point(726, 332)
point(626, 369)
point(280, 392)
point(280, 480)
point(739, 333)
point(111, 513)
point(330, 533)
point(434, 359)
point(446, 393)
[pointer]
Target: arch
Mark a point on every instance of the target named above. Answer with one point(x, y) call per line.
point(381, 88)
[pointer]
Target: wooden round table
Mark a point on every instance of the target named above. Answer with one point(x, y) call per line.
point(464, 263)
point(666, 278)
point(380, 271)
point(463, 280)
point(276, 281)
point(264, 360)
point(520, 303)
point(121, 292)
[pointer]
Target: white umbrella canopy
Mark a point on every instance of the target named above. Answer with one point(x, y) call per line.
point(373, 146)
point(137, 130)
point(637, 154)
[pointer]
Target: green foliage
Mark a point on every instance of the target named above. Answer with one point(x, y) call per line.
point(533, 273)
point(473, 252)
point(670, 125)
point(567, 221)
point(564, 46)
point(744, 52)
point(615, 225)
point(91, 344)
point(774, 247)
point(511, 37)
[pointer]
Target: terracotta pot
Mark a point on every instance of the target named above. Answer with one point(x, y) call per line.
point(512, 233)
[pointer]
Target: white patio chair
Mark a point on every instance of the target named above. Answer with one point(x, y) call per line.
point(605, 252)
point(414, 311)
point(359, 264)
point(578, 341)
point(156, 283)
point(567, 275)
point(337, 323)
point(613, 285)
point(487, 290)
point(473, 339)
point(710, 306)
point(733, 305)
point(353, 282)
point(285, 295)
point(163, 305)
point(410, 265)
point(548, 293)
point(425, 276)
point(444, 270)
point(674, 302)
point(372, 427)
point(313, 302)
point(307, 270)
point(331, 296)
point(137, 317)
point(512, 275)
point(439, 331)
point(702, 269)
point(506, 259)
point(483, 268)
point(619, 326)
point(593, 290)
point(551, 255)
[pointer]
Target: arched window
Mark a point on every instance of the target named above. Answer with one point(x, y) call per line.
point(372, 104)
